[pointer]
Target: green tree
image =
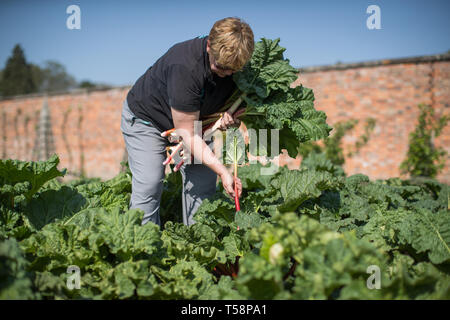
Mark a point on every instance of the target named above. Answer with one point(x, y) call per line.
point(17, 76)
point(423, 158)
point(86, 84)
point(54, 77)
point(37, 75)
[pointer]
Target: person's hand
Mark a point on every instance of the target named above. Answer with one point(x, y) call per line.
point(228, 184)
point(227, 121)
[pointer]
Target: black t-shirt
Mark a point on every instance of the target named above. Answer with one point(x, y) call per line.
point(181, 79)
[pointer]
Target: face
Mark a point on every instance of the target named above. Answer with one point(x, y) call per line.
point(217, 69)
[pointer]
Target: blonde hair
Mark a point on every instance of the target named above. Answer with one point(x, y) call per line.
point(231, 43)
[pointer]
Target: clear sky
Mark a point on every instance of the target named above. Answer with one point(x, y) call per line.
point(119, 40)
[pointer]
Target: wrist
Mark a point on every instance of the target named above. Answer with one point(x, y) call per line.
point(222, 170)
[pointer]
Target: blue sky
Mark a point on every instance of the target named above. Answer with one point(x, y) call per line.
point(119, 40)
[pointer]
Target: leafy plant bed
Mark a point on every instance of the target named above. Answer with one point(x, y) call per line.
point(310, 233)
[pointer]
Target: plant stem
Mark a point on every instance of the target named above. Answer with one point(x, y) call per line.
point(291, 269)
point(236, 196)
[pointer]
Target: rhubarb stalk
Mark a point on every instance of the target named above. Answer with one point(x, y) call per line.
point(236, 196)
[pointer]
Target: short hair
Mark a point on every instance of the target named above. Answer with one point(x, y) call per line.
point(231, 42)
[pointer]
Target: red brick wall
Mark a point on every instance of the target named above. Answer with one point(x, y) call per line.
point(90, 138)
point(389, 94)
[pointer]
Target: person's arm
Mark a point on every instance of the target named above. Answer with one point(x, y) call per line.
point(184, 124)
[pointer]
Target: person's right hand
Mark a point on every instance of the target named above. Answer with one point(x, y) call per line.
point(228, 121)
point(228, 184)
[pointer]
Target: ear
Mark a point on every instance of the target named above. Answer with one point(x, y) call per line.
point(207, 46)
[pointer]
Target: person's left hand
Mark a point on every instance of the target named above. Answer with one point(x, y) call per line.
point(227, 121)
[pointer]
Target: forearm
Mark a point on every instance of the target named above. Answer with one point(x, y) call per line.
point(186, 125)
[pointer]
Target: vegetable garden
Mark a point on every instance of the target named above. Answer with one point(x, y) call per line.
point(311, 233)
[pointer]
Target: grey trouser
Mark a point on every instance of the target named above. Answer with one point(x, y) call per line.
point(146, 153)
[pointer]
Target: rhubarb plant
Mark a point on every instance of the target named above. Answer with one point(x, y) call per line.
point(270, 102)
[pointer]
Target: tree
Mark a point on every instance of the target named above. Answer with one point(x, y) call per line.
point(37, 75)
point(54, 77)
point(423, 158)
point(17, 76)
point(86, 84)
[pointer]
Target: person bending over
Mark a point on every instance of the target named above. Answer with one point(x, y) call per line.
point(191, 80)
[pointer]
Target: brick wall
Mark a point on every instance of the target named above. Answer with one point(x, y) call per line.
point(87, 136)
point(85, 128)
point(389, 94)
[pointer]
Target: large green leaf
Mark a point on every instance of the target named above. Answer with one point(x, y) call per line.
point(278, 75)
point(428, 232)
point(124, 236)
point(36, 173)
point(223, 290)
point(271, 102)
point(185, 280)
point(235, 147)
point(56, 247)
point(52, 205)
point(266, 52)
point(298, 186)
point(114, 193)
point(292, 113)
point(197, 242)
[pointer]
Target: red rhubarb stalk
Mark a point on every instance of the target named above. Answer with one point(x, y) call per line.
point(166, 133)
point(178, 166)
point(169, 158)
point(236, 196)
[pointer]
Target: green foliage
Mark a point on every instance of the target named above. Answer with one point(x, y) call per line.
point(21, 77)
point(15, 282)
point(171, 198)
point(272, 104)
point(25, 178)
point(198, 243)
point(320, 162)
point(304, 234)
point(423, 158)
point(332, 145)
point(419, 232)
point(51, 205)
point(235, 147)
point(311, 233)
point(296, 187)
point(364, 138)
point(53, 77)
point(86, 84)
point(333, 148)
